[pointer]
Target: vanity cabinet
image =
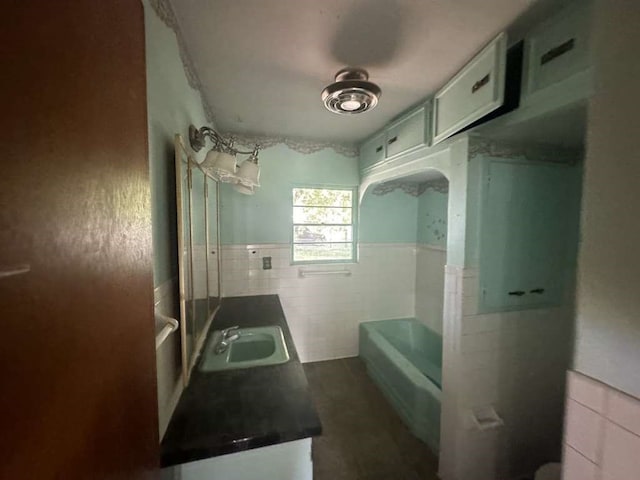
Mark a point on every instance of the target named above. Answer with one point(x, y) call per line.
point(372, 152)
point(557, 50)
point(408, 132)
point(475, 91)
point(528, 236)
point(283, 460)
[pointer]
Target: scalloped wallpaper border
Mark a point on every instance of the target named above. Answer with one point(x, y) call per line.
point(411, 188)
point(300, 145)
point(165, 12)
point(533, 153)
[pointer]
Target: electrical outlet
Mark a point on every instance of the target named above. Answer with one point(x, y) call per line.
point(266, 263)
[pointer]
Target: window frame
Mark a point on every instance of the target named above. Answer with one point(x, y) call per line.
point(354, 226)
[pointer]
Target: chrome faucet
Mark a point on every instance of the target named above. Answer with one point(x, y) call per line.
point(227, 337)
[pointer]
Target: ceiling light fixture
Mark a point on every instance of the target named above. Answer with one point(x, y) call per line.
point(351, 93)
point(220, 162)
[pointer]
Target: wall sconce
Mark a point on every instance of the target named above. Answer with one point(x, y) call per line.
point(220, 162)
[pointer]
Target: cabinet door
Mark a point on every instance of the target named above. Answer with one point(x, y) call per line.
point(529, 234)
point(557, 49)
point(475, 91)
point(372, 152)
point(407, 133)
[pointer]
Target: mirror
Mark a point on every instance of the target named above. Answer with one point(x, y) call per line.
point(197, 216)
point(213, 243)
point(199, 257)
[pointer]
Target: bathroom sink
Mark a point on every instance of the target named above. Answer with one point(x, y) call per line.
point(255, 347)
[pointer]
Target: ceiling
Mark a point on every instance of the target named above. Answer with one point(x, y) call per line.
point(263, 63)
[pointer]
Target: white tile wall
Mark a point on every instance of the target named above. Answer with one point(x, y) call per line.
point(576, 465)
point(602, 432)
point(583, 430)
point(323, 312)
point(588, 392)
point(623, 410)
point(430, 262)
point(513, 361)
point(451, 443)
point(621, 454)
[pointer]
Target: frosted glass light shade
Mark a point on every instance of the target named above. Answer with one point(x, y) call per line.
point(210, 160)
point(238, 187)
point(219, 166)
point(226, 164)
point(249, 174)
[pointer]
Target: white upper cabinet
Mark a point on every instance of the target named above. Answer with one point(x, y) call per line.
point(408, 132)
point(475, 91)
point(556, 50)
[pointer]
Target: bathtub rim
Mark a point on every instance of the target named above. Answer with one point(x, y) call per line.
point(408, 369)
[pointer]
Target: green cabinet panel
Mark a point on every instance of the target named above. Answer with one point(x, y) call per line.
point(528, 241)
point(475, 91)
point(372, 152)
point(408, 132)
point(557, 49)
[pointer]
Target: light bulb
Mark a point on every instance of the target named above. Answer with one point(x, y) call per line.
point(350, 105)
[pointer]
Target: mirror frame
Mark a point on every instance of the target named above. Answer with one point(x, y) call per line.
point(189, 358)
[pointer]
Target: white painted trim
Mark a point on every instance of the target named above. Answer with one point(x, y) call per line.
point(426, 158)
point(388, 245)
point(251, 246)
point(428, 246)
point(258, 246)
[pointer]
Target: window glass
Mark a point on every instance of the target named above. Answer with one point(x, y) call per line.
point(323, 225)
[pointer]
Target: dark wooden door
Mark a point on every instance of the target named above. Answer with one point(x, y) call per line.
point(77, 359)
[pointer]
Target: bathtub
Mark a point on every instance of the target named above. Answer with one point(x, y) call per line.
point(404, 358)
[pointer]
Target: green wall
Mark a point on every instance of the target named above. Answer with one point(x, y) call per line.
point(432, 218)
point(171, 106)
point(266, 216)
point(389, 218)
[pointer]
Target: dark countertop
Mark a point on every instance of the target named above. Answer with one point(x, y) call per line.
point(236, 410)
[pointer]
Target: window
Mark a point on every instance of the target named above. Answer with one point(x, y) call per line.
point(323, 225)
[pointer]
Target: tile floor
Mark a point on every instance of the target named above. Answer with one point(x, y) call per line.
point(363, 438)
